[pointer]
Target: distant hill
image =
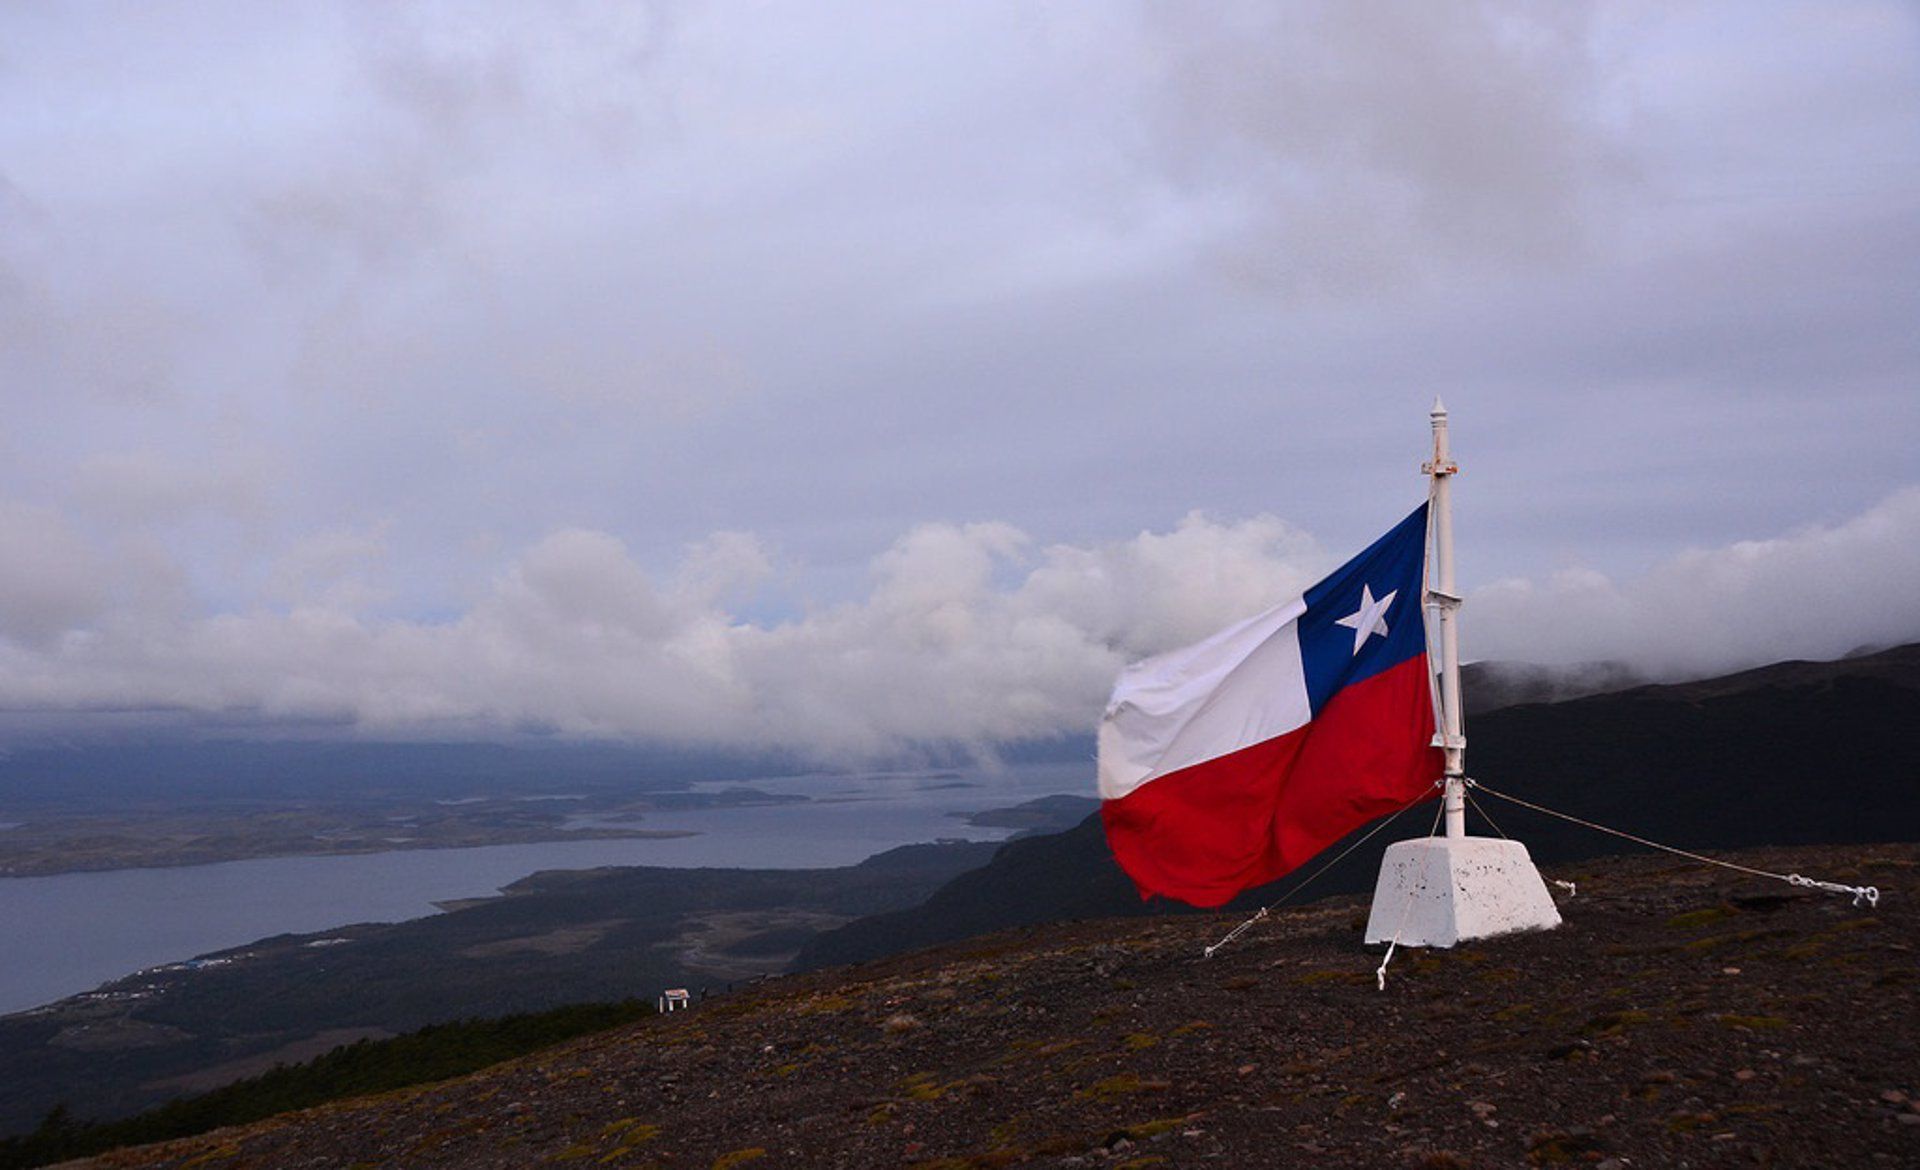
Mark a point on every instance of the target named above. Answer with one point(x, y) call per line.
point(112, 773)
point(1797, 752)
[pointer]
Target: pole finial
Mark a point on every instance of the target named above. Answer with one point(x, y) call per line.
point(1439, 408)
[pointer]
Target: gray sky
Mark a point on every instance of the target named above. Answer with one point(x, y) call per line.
point(832, 375)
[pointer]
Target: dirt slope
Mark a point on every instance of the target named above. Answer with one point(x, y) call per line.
point(1683, 1016)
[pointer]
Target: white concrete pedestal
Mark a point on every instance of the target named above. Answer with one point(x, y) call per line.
point(1438, 891)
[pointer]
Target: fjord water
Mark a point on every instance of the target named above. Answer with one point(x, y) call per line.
point(71, 932)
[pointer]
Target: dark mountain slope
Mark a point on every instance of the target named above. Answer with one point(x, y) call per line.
point(1791, 753)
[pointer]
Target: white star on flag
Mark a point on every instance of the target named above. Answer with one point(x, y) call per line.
point(1369, 619)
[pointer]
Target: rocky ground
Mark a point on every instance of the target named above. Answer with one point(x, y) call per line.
point(1683, 1016)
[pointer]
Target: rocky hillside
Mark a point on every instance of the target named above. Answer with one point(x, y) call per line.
point(1682, 1016)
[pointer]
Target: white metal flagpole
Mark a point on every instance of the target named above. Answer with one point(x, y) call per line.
point(1446, 602)
point(1438, 891)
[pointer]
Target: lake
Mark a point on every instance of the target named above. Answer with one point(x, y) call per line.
point(71, 932)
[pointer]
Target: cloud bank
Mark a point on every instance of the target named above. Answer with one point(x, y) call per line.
point(1818, 592)
point(599, 368)
point(968, 634)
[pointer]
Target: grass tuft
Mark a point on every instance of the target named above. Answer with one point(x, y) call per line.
point(1693, 918)
point(1753, 1023)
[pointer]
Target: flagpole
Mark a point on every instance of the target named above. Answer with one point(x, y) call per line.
point(1441, 596)
point(1438, 891)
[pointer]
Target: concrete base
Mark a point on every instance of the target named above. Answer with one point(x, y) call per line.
point(1438, 891)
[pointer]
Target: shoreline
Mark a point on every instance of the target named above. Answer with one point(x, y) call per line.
point(85, 929)
point(48, 865)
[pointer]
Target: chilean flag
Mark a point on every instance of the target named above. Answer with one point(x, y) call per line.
point(1228, 763)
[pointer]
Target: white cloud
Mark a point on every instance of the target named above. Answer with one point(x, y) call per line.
point(49, 576)
point(1815, 593)
point(968, 634)
point(338, 344)
point(1374, 143)
point(339, 566)
point(137, 488)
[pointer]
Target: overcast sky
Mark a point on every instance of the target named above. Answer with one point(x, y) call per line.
point(836, 374)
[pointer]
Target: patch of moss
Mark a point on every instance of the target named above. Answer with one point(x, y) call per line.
point(1610, 1023)
point(1693, 918)
point(824, 1005)
point(1006, 1133)
point(974, 1086)
point(1056, 1048)
point(630, 1131)
point(1156, 1127)
point(1120, 1086)
point(1753, 1023)
point(1722, 941)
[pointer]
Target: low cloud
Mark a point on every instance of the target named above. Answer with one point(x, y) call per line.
point(1816, 593)
point(1381, 143)
point(49, 579)
point(968, 634)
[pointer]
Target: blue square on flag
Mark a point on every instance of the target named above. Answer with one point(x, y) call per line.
point(1367, 616)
